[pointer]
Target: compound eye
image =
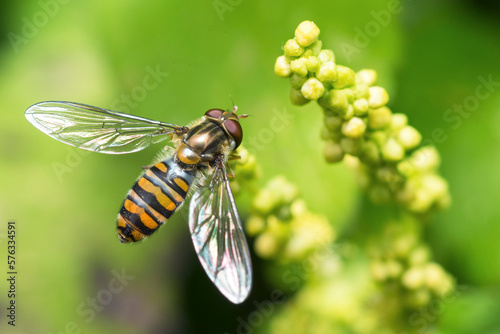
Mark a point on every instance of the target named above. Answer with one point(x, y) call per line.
point(214, 113)
point(233, 127)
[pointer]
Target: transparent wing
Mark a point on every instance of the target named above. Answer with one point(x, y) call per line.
point(96, 129)
point(218, 237)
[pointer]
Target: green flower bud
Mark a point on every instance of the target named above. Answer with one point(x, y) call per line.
point(297, 81)
point(345, 78)
point(398, 121)
point(285, 191)
point(435, 185)
point(282, 67)
point(315, 48)
point(413, 278)
point(434, 274)
point(409, 137)
point(369, 77)
point(371, 152)
point(326, 133)
point(360, 107)
point(379, 118)
point(312, 89)
point(299, 67)
point(394, 268)
point(255, 225)
point(333, 152)
point(378, 97)
point(354, 128)
point(313, 64)
point(423, 160)
point(361, 91)
point(392, 150)
point(350, 94)
point(306, 33)
point(326, 56)
point(351, 146)
point(266, 245)
point(297, 98)
point(419, 256)
point(333, 122)
point(379, 137)
point(335, 100)
point(327, 72)
point(349, 113)
point(293, 49)
point(264, 201)
point(419, 298)
point(421, 202)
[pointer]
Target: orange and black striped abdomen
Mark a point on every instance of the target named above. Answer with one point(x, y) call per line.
point(153, 199)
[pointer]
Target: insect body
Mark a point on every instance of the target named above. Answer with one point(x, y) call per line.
point(197, 163)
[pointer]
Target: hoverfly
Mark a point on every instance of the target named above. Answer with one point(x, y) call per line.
point(197, 165)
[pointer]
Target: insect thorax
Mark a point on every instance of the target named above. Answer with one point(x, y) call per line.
point(203, 143)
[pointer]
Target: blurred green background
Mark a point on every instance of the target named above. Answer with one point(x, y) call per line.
point(429, 57)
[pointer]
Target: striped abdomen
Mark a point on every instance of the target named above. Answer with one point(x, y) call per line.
point(153, 199)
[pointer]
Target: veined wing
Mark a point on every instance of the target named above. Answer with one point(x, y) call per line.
point(218, 237)
point(95, 129)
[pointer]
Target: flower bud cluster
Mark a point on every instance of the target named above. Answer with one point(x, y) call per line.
point(394, 165)
point(283, 226)
point(399, 257)
point(244, 165)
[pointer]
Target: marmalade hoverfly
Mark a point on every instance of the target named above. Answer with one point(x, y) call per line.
point(197, 163)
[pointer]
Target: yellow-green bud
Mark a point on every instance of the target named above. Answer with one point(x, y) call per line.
point(398, 121)
point(306, 33)
point(315, 48)
point(297, 98)
point(409, 137)
point(378, 97)
point(299, 67)
point(413, 278)
point(425, 159)
point(297, 81)
point(369, 77)
point(326, 56)
point(361, 91)
point(266, 245)
point(371, 153)
point(335, 100)
point(379, 137)
point(435, 185)
point(349, 112)
point(394, 268)
point(264, 201)
point(354, 128)
point(312, 89)
point(333, 152)
point(333, 122)
point(351, 146)
point(360, 107)
point(379, 118)
point(292, 48)
point(327, 72)
point(282, 67)
point(254, 225)
point(345, 78)
point(419, 256)
point(392, 150)
point(313, 64)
